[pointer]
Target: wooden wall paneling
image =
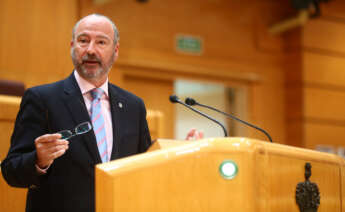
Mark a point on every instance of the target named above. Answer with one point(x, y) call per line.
point(272, 84)
point(116, 75)
point(35, 40)
point(6, 126)
point(292, 68)
point(242, 81)
point(324, 78)
point(325, 36)
point(169, 70)
point(343, 185)
point(294, 99)
point(324, 104)
point(226, 27)
point(155, 94)
point(11, 199)
point(333, 9)
point(323, 133)
point(9, 107)
point(295, 134)
point(323, 69)
point(269, 93)
point(294, 114)
point(273, 12)
point(156, 122)
point(314, 82)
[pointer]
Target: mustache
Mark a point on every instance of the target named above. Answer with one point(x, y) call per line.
point(89, 57)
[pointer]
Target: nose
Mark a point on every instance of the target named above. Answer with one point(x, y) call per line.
point(91, 48)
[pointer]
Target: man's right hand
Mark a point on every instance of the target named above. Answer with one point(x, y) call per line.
point(48, 148)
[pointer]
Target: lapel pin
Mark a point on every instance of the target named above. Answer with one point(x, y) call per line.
point(120, 105)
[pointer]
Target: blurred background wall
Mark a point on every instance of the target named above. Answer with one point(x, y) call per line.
point(293, 83)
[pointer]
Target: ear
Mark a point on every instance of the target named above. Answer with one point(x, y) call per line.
point(71, 43)
point(117, 46)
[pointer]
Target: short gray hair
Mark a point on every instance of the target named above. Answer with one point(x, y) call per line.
point(116, 32)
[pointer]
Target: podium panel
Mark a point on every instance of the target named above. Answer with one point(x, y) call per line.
point(220, 174)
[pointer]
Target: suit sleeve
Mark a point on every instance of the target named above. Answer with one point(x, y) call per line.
point(18, 168)
point(145, 138)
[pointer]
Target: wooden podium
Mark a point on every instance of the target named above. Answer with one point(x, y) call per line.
point(222, 174)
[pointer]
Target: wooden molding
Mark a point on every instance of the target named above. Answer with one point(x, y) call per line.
point(173, 70)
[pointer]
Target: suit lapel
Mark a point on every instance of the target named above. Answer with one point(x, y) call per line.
point(118, 108)
point(75, 103)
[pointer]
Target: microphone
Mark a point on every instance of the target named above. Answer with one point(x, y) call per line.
point(175, 99)
point(191, 102)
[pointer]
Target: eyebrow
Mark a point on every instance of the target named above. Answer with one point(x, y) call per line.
point(97, 36)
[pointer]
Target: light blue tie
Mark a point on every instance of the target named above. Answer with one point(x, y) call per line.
point(98, 123)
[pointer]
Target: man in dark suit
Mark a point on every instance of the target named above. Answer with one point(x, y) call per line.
point(60, 173)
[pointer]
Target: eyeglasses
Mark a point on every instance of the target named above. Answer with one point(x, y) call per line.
point(78, 130)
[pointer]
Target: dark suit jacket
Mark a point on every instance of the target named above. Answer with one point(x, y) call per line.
point(69, 182)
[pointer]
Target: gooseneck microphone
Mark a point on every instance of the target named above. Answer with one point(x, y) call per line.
point(175, 99)
point(191, 102)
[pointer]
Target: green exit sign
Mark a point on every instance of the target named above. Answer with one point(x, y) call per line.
point(189, 44)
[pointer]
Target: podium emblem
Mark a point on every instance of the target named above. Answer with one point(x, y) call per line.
point(228, 169)
point(307, 193)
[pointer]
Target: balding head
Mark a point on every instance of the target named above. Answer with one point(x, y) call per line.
point(116, 37)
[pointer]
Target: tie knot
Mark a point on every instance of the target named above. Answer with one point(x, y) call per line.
point(97, 93)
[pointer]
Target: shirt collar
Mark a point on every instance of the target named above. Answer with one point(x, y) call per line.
point(86, 86)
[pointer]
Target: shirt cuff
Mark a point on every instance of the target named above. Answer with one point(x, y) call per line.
point(42, 171)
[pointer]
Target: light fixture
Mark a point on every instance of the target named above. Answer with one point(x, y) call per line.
point(306, 9)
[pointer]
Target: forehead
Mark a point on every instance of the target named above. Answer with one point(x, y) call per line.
point(95, 25)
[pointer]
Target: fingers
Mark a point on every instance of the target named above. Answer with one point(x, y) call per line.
point(48, 148)
point(193, 134)
point(55, 146)
point(50, 145)
point(59, 153)
point(48, 138)
point(200, 135)
point(190, 134)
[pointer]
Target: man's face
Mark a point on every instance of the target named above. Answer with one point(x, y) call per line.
point(92, 49)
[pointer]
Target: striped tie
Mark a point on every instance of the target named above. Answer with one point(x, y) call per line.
point(98, 123)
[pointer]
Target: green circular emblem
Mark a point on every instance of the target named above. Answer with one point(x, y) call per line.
point(228, 169)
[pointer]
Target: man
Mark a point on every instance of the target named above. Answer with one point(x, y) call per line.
point(60, 173)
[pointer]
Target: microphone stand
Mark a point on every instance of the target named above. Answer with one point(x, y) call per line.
point(175, 99)
point(191, 102)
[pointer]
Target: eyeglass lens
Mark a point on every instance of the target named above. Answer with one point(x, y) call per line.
point(83, 128)
point(66, 134)
point(80, 129)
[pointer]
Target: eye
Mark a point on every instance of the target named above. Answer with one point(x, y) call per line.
point(83, 40)
point(102, 42)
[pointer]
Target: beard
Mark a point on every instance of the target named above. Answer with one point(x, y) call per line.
point(102, 70)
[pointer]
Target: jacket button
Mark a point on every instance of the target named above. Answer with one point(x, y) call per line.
point(32, 187)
